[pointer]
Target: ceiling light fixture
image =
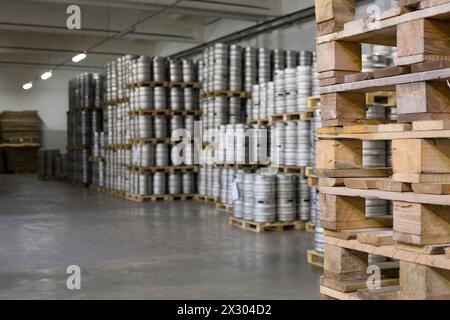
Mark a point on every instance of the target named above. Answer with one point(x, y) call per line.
point(46, 75)
point(79, 57)
point(27, 85)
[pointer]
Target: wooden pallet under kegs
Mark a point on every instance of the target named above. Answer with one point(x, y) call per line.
point(262, 227)
point(206, 199)
point(140, 198)
point(223, 207)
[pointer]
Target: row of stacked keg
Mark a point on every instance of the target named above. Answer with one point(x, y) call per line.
point(234, 68)
point(131, 70)
point(115, 175)
point(130, 77)
point(287, 143)
point(256, 196)
point(218, 111)
point(52, 165)
point(84, 121)
point(288, 92)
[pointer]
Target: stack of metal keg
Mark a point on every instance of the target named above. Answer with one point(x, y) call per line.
point(289, 90)
point(49, 166)
point(136, 83)
point(259, 197)
point(84, 122)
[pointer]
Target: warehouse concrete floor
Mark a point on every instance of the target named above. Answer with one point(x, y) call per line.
point(127, 250)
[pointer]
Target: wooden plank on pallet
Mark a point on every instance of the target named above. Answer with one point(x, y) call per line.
point(384, 293)
point(431, 188)
point(354, 173)
point(431, 125)
point(432, 134)
point(387, 195)
point(331, 182)
point(376, 238)
point(391, 185)
point(360, 76)
point(394, 127)
point(348, 234)
point(387, 84)
point(361, 128)
point(338, 295)
point(378, 222)
point(362, 183)
point(421, 177)
point(391, 71)
point(353, 285)
point(429, 65)
point(438, 261)
point(424, 249)
point(447, 252)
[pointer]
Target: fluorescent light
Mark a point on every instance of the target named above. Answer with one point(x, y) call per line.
point(46, 75)
point(27, 85)
point(79, 57)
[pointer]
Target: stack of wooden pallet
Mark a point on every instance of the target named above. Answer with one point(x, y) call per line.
point(19, 135)
point(414, 238)
point(20, 126)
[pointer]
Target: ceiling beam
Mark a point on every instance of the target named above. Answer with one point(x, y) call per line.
point(244, 9)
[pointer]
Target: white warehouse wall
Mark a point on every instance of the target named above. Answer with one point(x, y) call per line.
point(49, 98)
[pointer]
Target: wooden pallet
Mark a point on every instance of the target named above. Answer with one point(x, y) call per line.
point(315, 258)
point(206, 199)
point(418, 69)
point(262, 227)
point(116, 146)
point(224, 207)
point(163, 112)
point(300, 170)
point(93, 159)
point(20, 140)
point(313, 102)
point(423, 275)
point(310, 227)
point(194, 85)
point(228, 94)
point(151, 141)
point(260, 122)
point(238, 166)
point(112, 103)
point(302, 115)
point(178, 197)
point(168, 169)
point(140, 198)
point(164, 84)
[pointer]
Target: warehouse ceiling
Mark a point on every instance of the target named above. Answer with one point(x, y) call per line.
point(33, 33)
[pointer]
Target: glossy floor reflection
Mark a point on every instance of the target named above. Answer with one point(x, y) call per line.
point(127, 250)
